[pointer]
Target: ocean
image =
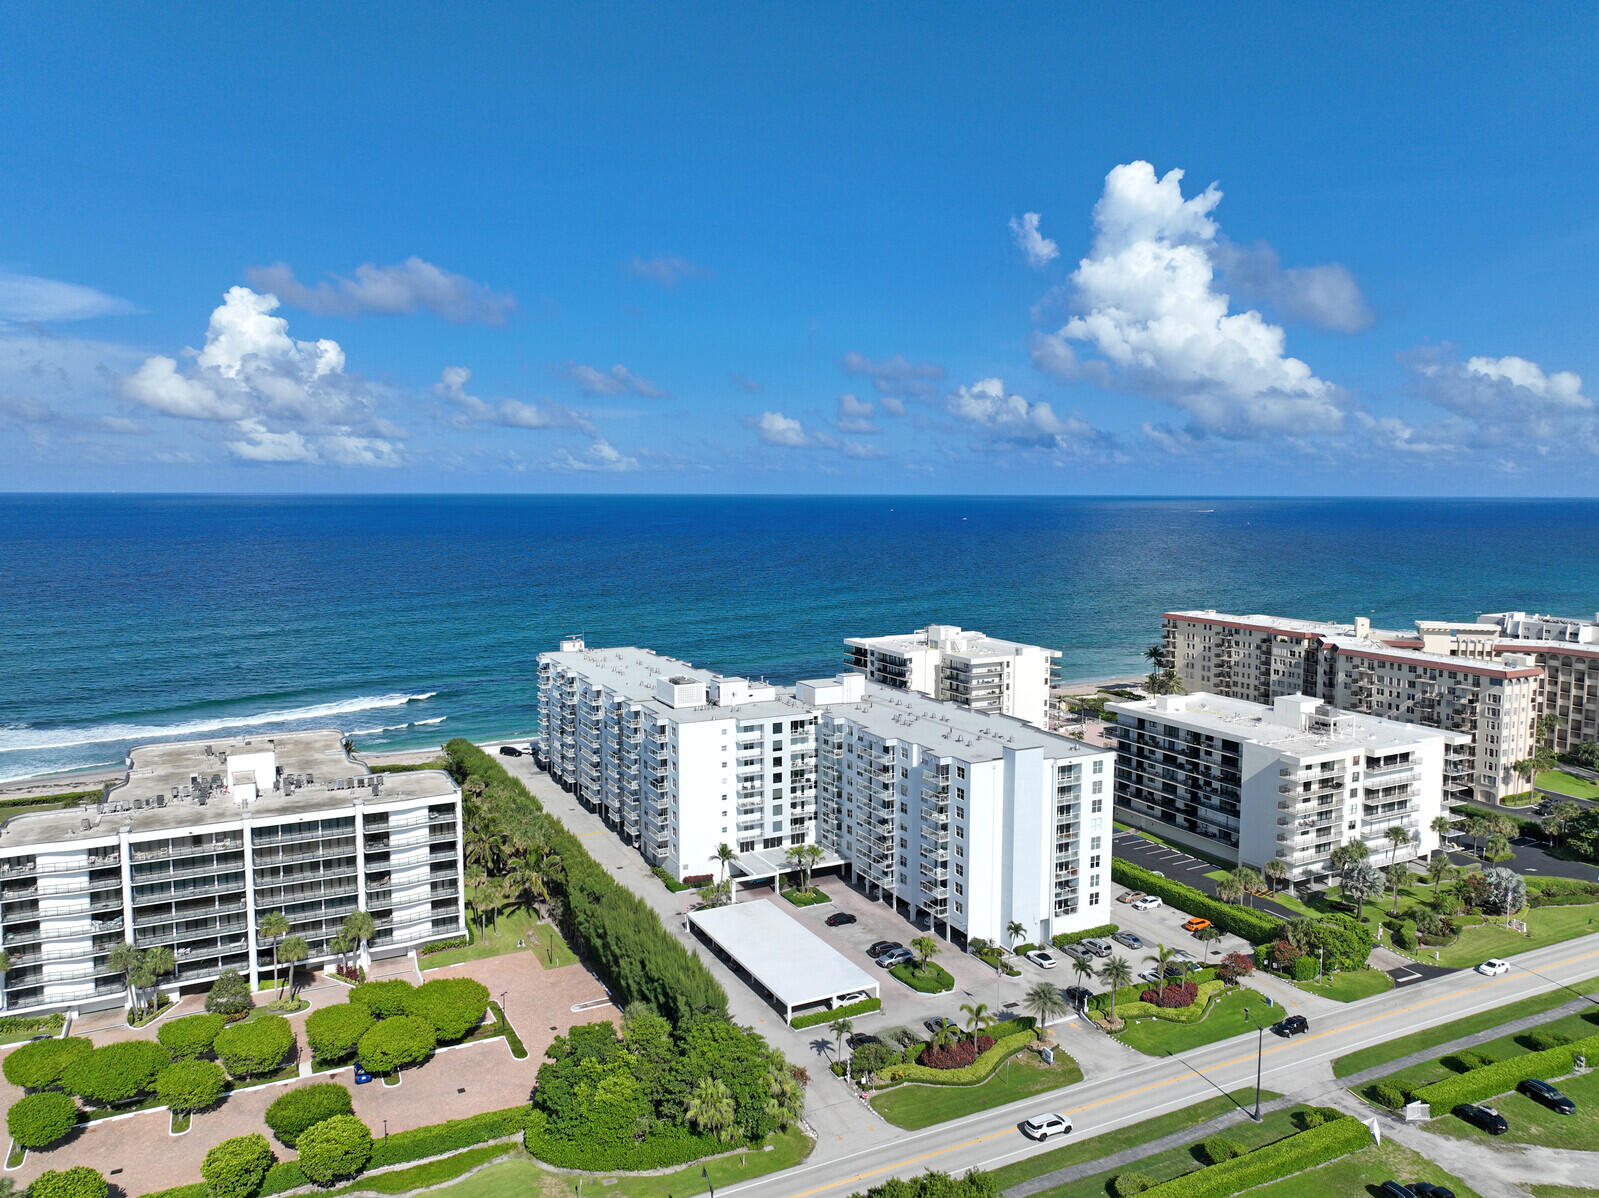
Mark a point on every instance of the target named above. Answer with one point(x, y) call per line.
point(409, 620)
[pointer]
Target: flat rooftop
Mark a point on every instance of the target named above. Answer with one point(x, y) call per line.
point(1241, 720)
point(782, 954)
point(958, 641)
point(1285, 624)
point(159, 770)
point(948, 728)
point(631, 673)
point(1370, 647)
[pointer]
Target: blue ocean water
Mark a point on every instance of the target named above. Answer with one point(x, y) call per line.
point(409, 620)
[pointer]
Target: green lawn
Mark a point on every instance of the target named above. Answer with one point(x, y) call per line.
point(431, 1173)
point(1423, 1038)
point(1162, 1037)
point(1351, 985)
point(1427, 1072)
point(1568, 784)
point(931, 978)
point(1545, 925)
point(807, 898)
point(1089, 1147)
point(543, 940)
point(1361, 1172)
point(913, 1106)
point(1533, 1123)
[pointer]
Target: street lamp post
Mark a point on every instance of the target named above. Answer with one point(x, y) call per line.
point(1321, 949)
point(1260, 1048)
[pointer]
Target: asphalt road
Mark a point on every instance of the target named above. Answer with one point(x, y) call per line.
point(1297, 1068)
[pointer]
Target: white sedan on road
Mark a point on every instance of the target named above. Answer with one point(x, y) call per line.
point(1041, 1127)
point(1493, 968)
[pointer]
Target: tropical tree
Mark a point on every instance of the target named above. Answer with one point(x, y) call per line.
point(1155, 655)
point(1505, 890)
point(124, 959)
point(1497, 849)
point(1083, 968)
point(291, 952)
point(1437, 870)
point(1442, 826)
point(1360, 883)
point(1561, 814)
point(1276, 871)
point(342, 946)
point(274, 927)
point(926, 948)
point(1160, 959)
point(1015, 930)
point(725, 856)
point(1046, 1002)
point(840, 1028)
point(1249, 881)
point(1115, 973)
point(1476, 827)
point(1346, 855)
point(710, 1108)
point(1208, 937)
point(359, 927)
point(977, 1016)
point(477, 881)
point(1395, 875)
point(1398, 838)
point(1228, 887)
point(793, 855)
point(785, 1099)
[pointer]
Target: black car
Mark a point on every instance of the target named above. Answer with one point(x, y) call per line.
point(510, 751)
point(860, 1039)
point(1394, 1189)
point(1294, 1025)
point(1485, 1117)
point(1078, 996)
point(839, 918)
point(937, 1024)
point(881, 947)
point(1542, 1091)
point(1425, 1189)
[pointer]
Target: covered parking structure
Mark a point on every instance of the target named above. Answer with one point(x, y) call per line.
point(790, 964)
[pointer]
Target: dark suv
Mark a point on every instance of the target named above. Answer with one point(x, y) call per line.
point(1485, 1117)
point(1541, 1091)
point(1294, 1025)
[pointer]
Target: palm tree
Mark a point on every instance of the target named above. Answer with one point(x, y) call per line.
point(809, 855)
point(1083, 968)
point(1155, 655)
point(792, 855)
point(477, 880)
point(1208, 937)
point(1442, 826)
point(710, 1108)
point(725, 856)
point(1437, 869)
point(785, 1100)
point(1015, 930)
point(926, 948)
point(342, 945)
point(124, 959)
point(977, 1017)
point(291, 952)
point(1497, 849)
point(1160, 958)
point(360, 927)
point(1476, 827)
point(1398, 838)
point(1396, 875)
point(1046, 1002)
point(1115, 973)
point(154, 964)
point(1276, 871)
point(1228, 887)
point(274, 927)
point(840, 1028)
point(1248, 880)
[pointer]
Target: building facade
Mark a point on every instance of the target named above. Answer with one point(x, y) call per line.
point(966, 820)
point(200, 841)
point(968, 668)
point(1457, 686)
point(676, 759)
point(1291, 780)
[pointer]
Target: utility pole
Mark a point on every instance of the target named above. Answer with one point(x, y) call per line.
point(1260, 1048)
point(706, 1174)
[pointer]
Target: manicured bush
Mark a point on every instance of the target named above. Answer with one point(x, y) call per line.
point(440, 1138)
point(116, 1072)
point(454, 1006)
point(1219, 1149)
point(335, 1148)
point(79, 1181)
point(1485, 1082)
point(41, 1063)
point(1406, 936)
point(236, 1168)
point(873, 1057)
point(395, 1043)
point(304, 1107)
point(285, 1175)
point(229, 995)
point(444, 946)
point(39, 1120)
point(1178, 994)
point(187, 1086)
point(1003, 1046)
point(1295, 1154)
point(933, 1184)
point(260, 1046)
point(1125, 1185)
point(333, 1032)
point(195, 1189)
point(1468, 1059)
point(15, 1025)
point(932, 978)
point(1315, 1116)
point(1303, 969)
point(864, 1007)
point(955, 1054)
point(1257, 927)
point(1103, 932)
point(665, 1146)
point(1128, 1006)
point(1390, 1094)
point(384, 999)
point(192, 1036)
point(1542, 1039)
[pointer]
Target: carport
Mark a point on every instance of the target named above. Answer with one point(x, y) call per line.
point(787, 960)
point(760, 865)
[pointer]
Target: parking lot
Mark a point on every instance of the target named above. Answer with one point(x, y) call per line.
point(1180, 867)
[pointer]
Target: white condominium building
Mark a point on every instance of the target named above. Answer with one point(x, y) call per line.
point(967, 819)
point(678, 760)
point(201, 841)
point(976, 671)
point(1291, 781)
point(1448, 682)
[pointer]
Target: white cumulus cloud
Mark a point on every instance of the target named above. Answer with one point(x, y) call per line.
point(600, 455)
point(511, 413)
point(1035, 247)
point(854, 415)
point(1506, 402)
point(897, 373)
point(618, 380)
point(1006, 418)
point(777, 429)
point(405, 287)
point(1325, 295)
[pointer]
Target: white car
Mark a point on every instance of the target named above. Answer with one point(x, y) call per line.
point(1041, 1127)
point(1148, 903)
point(1042, 959)
point(1493, 968)
point(845, 1000)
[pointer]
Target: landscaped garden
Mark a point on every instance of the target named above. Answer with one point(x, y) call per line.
point(1561, 782)
point(521, 931)
point(1351, 986)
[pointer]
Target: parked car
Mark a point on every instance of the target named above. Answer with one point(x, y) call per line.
point(847, 1000)
point(1148, 903)
point(1129, 896)
point(1078, 996)
point(1541, 1091)
point(1129, 939)
point(510, 751)
point(858, 1039)
point(1394, 1189)
point(1077, 952)
point(1425, 1189)
point(1196, 924)
point(1099, 948)
point(839, 918)
point(1485, 1117)
point(361, 1076)
point(879, 947)
point(1042, 959)
point(1294, 1025)
point(897, 956)
point(937, 1024)
point(1493, 967)
point(1151, 976)
point(1041, 1127)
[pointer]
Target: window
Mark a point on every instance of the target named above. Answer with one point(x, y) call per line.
point(1093, 898)
point(960, 870)
point(960, 813)
point(1099, 767)
point(960, 792)
point(1093, 861)
point(958, 889)
point(960, 771)
point(1096, 806)
point(960, 832)
point(1099, 787)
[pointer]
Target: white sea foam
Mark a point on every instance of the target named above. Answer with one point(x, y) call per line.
point(438, 719)
point(23, 739)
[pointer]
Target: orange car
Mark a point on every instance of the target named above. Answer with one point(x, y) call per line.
point(1196, 924)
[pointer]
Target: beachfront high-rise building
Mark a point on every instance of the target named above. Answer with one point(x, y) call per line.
point(678, 760)
point(1292, 780)
point(970, 820)
point(1448, 682)
point(969, 668)
point(200, 841)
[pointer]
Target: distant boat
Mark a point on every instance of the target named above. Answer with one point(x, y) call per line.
point(1203, 511)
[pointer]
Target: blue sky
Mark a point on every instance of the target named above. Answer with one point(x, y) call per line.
point(789, 249)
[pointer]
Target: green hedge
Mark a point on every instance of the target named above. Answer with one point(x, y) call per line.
point(864, 1007)
point(1254, 926)
point(1189, 1014)
point(1298, 1152)
point(439, 1138)
point(11, 1025)
point(512, 1040)
point(1103, 932)
point(967, 1075)
point(1489, 1080)
point(195, 1189)
point(933, 978)
point(664, 1147)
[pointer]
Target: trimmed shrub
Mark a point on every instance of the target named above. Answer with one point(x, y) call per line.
point(293, 1112)
point(384, 999)
point(285, 1175)
point(117, 1072)
point(1254, 926)
point(1292, 1155)
point(15, 1025)
point(260, 1046)
point(1125, 1185)
point(1486, 1081)
point(1406, 936)
point(1220, 1149)
point(236, 1168)
point(1303, 969)
point(229, 995)
point(1390, 1094)
point(1004, 1045)
point(335, 1148)
point(187, 1086)
point(1103, 932)
point(395, 1043)
point(41, 1063)
point(39, 1120)
point(192, 1036)
point(440, 1138)
point(865, 1007)
point(1128, 1006)
point(1467, 1060)
point(956, 1054)
point(333, 1032)
point(932, 978)
point(79, 1181)
point(1181, 994)
point(1542, 1040)
point(444, 946)
point(454, 1006)
point(666, 1145)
